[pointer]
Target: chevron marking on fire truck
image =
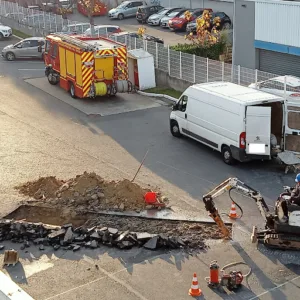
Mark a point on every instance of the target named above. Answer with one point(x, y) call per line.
point(87, 71)
point(122, 60)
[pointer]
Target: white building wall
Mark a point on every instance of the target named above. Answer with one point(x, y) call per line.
point(278, 22)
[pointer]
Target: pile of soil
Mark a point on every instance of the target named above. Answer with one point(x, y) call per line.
point(88, 192)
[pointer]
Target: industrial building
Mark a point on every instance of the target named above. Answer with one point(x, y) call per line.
point(267, 36)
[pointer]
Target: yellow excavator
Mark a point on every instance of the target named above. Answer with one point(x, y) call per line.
point(282, 229)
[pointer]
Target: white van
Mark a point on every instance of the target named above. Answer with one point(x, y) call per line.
point(240, 122)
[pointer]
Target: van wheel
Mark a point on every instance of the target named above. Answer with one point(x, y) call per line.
point(72, 90)
point(227, 155)
point(175, 129)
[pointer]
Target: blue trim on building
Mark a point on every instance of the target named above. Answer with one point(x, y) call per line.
point(277, 47)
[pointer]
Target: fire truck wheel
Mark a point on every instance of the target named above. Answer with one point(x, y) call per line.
point(72, 90)
point(120, 16)
point(52, 79)
point(10, 56)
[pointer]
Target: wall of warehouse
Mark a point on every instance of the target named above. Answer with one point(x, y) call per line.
point(245, 53)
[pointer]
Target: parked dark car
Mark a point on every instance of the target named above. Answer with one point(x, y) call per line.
point(120, 37)
point(180, 22)
point(224, 24)
point(144, 12)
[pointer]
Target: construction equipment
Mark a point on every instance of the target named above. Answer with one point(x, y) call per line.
point(85, 66)
point(282, 229)
point(232, 280)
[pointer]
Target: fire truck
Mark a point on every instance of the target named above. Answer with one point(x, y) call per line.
point(86, 67)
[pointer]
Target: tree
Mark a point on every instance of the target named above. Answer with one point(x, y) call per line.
point(89, 6)
point(207, 32)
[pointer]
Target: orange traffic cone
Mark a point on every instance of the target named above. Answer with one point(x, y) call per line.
point(194, 290)
point(232, 213)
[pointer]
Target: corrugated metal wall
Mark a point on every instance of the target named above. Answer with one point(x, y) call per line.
point(279, 63)
point(278, 22)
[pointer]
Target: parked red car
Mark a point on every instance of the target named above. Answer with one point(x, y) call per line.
point(179, 23)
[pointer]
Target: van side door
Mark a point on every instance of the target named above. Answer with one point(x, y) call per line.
point(258, 130)
point(292, 127)
point(181, 115)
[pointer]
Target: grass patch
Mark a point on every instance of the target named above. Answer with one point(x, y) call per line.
point(165, 91)
point(20, 34)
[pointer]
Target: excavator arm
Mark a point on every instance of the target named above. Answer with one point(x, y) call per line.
point(227, 185)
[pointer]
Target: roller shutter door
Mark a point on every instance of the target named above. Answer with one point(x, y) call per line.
point(279, 63)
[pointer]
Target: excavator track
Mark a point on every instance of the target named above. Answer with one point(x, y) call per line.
point(281, 241)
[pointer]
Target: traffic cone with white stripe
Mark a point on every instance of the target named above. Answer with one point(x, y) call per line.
point(232, 213)
point(194, 290)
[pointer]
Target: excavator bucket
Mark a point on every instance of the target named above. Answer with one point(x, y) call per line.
point(11, 257)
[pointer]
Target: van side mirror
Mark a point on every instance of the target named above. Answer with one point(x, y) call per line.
point(175, 107)
point(39, 48)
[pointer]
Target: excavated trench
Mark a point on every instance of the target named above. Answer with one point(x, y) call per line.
point(194, 234)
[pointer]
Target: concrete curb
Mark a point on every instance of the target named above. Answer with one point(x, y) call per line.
point(10, 290)
point(158, 96)
point(17, 37)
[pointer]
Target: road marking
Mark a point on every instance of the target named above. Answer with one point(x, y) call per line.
point(110, 275)
point(274, 288)
point(31, 69)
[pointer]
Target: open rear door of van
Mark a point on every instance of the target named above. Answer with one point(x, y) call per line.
point(292, 127)
point(258, 130)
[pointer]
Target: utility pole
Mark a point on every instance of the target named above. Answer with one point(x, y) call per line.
point(191, 4)
point(233, 41)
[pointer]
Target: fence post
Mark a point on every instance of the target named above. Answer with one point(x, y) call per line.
point(194, 64)
point(223, 70)
point(169, 61)
point(207, 67)
point(146, 45)
point(134, 43)
point(126, 40)
point(180, 65)
point(239, 74)
point(256, 77)
point(156, 56)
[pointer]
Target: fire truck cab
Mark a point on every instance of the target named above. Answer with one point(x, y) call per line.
point(86, 67)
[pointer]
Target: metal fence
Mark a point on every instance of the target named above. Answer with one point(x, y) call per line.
point(191, 68)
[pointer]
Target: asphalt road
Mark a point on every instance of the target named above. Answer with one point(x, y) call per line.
point(42, 135)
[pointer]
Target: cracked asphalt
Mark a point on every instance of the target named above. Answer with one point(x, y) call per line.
point(41, 135)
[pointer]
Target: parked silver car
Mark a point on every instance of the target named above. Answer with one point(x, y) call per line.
point(155, 19)
point(27, 48)
point(125, 9)
point(164, 22)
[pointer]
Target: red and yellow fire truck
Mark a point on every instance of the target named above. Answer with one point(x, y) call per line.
point(86, 67)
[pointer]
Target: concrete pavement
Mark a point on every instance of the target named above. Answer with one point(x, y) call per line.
point(42, 135)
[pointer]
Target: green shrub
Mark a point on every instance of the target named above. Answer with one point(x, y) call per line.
point(212, 51)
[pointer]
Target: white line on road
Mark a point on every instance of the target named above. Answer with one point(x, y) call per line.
point(31, 69)
point(274, 288)
point(107, 274)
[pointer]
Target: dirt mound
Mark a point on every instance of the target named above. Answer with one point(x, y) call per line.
point(88, 192)
point(44, 186)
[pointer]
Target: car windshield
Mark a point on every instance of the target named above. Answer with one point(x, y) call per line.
point(162, 11)
point(173, 14)
point(123, 4)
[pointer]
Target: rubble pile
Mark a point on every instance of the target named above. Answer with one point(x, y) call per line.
point(69, 238)
point(87, 192)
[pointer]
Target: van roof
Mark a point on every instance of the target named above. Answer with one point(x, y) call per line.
point(237, 93)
